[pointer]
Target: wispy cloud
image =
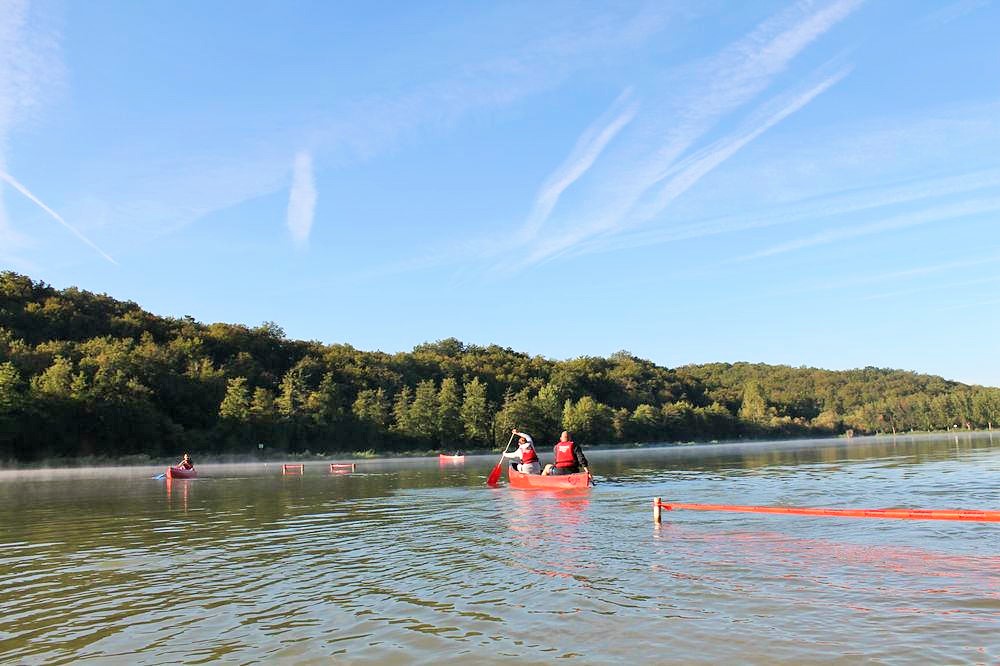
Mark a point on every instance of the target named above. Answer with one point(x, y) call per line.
point(7, 178)
point(29, 72)
point(855, 283)
point(165, 194)
point(587, 149)
point(302, 198)
point(947, 286)
point(942, 213)
point(984, 305)
point(367, 127)
point(953, 11)
point(655, 166)
point(691, 170)
point(811, 208)
point(910, 273)
point(16, 90)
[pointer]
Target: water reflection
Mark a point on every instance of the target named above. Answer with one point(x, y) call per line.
point(540, 516)
point(183, 487)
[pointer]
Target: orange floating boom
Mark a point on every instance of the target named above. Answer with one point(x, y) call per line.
point(904, 514)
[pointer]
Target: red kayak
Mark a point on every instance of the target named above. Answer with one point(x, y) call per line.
point(539, 482)
point(178, 473)
point(443, 458)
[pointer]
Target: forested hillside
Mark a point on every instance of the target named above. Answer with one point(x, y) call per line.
point(85, 374)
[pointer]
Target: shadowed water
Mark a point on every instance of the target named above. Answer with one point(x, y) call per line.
point(416, 562)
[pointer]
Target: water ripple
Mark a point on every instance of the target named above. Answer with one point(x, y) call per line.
point(424, 565)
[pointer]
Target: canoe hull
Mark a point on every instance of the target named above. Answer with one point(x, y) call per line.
point(444, 458)
point(178, 473)
point(538, 482)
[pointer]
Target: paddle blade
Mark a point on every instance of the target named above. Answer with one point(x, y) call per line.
point(494, 476)
point(159, 477)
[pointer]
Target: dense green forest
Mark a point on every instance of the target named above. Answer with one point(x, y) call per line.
point(83, 374)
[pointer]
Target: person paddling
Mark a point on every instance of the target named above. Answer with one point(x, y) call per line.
point(524, 458)
point(185, 463)
point(569, 457)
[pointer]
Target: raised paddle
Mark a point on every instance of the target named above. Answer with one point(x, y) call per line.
point(494, 476)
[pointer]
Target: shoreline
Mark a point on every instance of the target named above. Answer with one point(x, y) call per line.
point(140, 463)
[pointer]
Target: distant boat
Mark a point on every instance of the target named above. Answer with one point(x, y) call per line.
point(457, 458)
point(179, 473)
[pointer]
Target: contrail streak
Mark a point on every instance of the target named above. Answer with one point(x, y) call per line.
point(10, 180)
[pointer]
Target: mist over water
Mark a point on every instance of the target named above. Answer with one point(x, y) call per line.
point(417, 562)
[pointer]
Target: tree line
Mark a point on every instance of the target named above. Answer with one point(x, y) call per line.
point(84, 374)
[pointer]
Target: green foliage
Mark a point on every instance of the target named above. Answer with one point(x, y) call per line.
point(11, 395)
point(549, 409)
point(475, 413)
point(401, 409)
point(84, 374)
point(291, 395)
point(56, 381)
point(424, 412)
point(236, 405)
point(372, 409)
point(326, 404)
point(519, 411)
point(450, 427)
point(262, 407)
point(645, 425)
point(588, 420)
point(753, 408)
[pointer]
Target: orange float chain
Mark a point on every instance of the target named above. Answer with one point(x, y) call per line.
point(904, 514)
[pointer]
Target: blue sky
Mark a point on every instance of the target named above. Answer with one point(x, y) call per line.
point(812, 183)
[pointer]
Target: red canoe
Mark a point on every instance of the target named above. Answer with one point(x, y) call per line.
point(443, 458)
point(539, 482)
point(178, 473)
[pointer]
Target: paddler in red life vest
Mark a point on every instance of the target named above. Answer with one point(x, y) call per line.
point(185, 463)
point(569, 458)
point(524, 458)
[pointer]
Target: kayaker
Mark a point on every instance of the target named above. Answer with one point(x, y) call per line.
point(524, 458)
point(186, 462)
point(569, 457)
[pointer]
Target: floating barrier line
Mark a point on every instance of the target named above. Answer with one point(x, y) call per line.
point(903, 514)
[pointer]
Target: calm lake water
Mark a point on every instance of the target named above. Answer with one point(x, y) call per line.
point(415, 562)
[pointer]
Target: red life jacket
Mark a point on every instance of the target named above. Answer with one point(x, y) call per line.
point(564, 455)
point(528, 455)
